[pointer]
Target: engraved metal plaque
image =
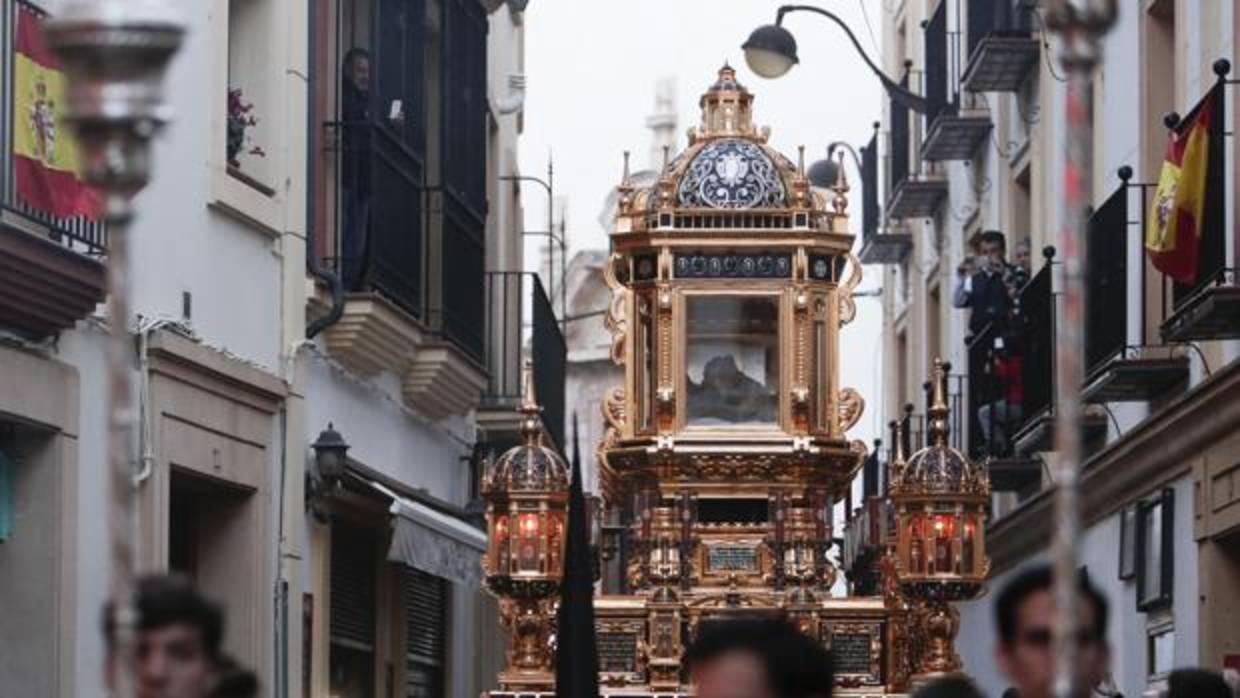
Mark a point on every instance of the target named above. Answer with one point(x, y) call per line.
point(851, 652)
point(732, 558)
point(617, 652)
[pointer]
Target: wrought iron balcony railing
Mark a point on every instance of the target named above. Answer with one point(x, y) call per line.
point(521, 325)
point(79, 234)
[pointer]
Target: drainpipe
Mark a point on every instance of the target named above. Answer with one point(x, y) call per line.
point(313, 265)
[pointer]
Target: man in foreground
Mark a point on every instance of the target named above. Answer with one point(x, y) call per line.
point(1025, 614)
point(758, 659)
point(178, 640)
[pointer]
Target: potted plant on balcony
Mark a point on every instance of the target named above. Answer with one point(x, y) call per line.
point(240, 118)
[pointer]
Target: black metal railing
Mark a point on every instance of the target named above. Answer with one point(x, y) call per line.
point(1106, 279)
point(898, 155)
point(1034, 339)
point(938, 100)
point(77, 233)
point(1010, 371)
point(994, 400)
point(869, 188)
point(1008, 18)
point(521, 324)
point(376, 212)
point(462, 305)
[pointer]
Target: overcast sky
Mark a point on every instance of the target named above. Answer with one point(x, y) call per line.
point(592, 67)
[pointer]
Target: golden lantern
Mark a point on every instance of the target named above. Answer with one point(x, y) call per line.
point(526, 494)
point(940, 499)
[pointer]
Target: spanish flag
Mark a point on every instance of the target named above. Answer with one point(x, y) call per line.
point(1177, 215)
point(45, 157)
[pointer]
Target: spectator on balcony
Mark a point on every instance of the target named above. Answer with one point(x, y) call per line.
point(984, 290)
point(998, 418)
point(1018, 273)
point(355, 166)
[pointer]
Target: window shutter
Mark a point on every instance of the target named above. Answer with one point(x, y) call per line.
point(353, 586)
point(426, 621)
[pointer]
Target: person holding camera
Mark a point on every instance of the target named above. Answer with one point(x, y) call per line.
point(981, 284)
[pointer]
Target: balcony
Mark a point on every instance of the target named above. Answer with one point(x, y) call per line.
point(917, 196)
point(1209, 308)
point(521, 326)
point(910, 194)
point(1211, 311)
point(401, 315)
point(955, 130)
point(52, 271)
point(1117, 370)
point(955, 135)
point(878, 244)
point(1001, 47)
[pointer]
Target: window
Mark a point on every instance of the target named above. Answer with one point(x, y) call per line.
point(8, 496)
point(463, 170)
point(934, 312)
point(732, 360)
point(1160, 650)
point(1128, 542)
point(252, 118)
point(353, 598)
point(426, 623)
point(1155, 546)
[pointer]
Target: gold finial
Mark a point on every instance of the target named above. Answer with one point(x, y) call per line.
point(840, 201)
point(624, 180)
point(531, 427)
point(896, 466)
point(938, 428)
point(801, 160)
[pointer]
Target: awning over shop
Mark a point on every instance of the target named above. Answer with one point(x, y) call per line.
point(432, 541)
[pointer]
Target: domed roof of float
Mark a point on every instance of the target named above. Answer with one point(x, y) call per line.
point(727, 166)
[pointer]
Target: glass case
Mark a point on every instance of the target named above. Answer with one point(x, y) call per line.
point(732, 360)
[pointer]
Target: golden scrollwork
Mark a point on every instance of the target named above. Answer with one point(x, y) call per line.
point(616, 320)
point(848, 307)
point(852, 406)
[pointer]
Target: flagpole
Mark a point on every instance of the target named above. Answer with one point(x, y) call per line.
point(114, 54)
point(1080, 25)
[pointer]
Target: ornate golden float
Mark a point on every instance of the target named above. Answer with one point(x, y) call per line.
point(726, 446)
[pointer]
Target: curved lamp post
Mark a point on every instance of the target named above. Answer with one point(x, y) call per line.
point(771, 51)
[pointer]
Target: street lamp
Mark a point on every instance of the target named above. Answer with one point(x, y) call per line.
point(330, 454)
point(552, 239)
point(771, 51)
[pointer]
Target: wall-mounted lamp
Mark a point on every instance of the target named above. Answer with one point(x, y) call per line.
point(330, 458)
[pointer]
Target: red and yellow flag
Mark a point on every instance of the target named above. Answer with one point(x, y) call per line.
point(45, 156)
point(1174, 229)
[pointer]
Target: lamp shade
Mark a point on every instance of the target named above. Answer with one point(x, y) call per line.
point(824, 173)
point(330, 452)
point(770, 51)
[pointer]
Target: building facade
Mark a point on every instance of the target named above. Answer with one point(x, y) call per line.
point(328, 164)
point(1162, 514)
